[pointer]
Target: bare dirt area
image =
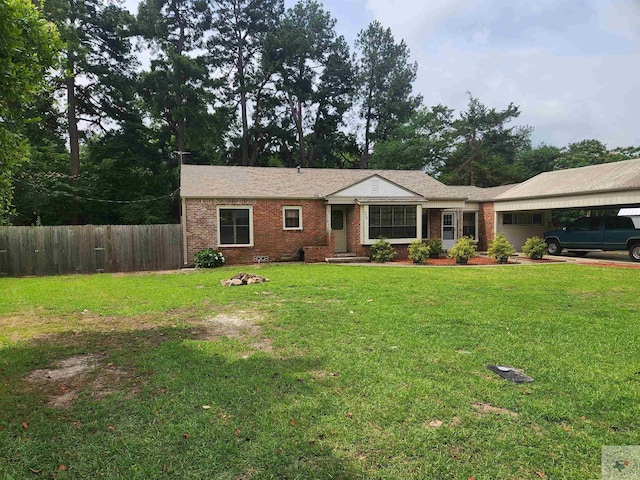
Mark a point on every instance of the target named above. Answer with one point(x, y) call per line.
point(67, 378)
point(239, 326)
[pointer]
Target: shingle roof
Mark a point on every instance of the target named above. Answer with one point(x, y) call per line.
point(207, 181)
point(623, 175)
point(480, 194)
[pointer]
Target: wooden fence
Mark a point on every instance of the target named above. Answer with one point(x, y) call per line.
point(89, 249)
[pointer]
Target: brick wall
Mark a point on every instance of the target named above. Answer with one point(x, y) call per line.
point(486, 227)
point(269, 238)
point(435, 223)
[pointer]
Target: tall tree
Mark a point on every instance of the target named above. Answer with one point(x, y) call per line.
point(98, 66)
point(236, 44)
point(28, 48)
point(532, 161)
point(422, 143)
point(385, 77)
point(178, 88)
point(314, 76)
point(486, 148)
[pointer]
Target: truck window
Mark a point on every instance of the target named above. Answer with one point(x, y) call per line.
point(617, 223)
point(585, 223)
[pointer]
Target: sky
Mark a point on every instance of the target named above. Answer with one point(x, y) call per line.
point(572, 66)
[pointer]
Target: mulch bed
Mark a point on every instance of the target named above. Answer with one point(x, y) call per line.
point(451, 261)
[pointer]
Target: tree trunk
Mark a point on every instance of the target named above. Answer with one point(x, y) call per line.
point(74, 136)
point(296, 113)
point(243, 92)
point(364, 158)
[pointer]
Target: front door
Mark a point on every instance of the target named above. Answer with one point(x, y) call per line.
point(339, 229)
point(449, 236)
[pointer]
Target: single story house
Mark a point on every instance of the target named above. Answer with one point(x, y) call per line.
point(255, 214)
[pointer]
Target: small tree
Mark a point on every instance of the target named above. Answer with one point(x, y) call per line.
point(382, 251)
point(500, 249)
point(464, 249)
point(534, 247)
point(418, 252)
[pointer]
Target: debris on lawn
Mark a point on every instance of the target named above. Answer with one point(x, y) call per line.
point(243, 278)
point(510, 373)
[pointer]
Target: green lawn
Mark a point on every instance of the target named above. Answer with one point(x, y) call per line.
point(325, 372)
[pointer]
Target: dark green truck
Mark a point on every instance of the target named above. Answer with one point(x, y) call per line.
point(590, 234)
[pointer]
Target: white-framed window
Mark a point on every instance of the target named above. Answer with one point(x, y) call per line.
point(393, 222)
point(292, 218)
point(522, 218)
point(235, 225)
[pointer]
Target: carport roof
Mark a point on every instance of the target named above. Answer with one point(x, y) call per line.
point(605, 177)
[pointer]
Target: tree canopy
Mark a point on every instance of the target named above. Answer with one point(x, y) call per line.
point(229, 82)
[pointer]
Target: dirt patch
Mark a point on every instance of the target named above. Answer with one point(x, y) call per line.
point(69, 377)
point(66, 369)
point(239, 326)
point(486, 408)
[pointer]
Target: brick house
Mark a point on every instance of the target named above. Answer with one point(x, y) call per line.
point(274, 214)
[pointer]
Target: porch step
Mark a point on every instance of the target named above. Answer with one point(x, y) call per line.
point(346, 254)
point(350, 259)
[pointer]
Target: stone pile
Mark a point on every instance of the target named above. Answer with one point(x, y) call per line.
point(243, 278)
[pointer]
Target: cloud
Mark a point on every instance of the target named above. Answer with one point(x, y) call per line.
point(571, 65)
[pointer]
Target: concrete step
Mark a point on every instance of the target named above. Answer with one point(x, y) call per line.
point(347, 260)
point(346, 254)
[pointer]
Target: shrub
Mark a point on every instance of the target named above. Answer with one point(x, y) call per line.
point(435, 247)
point(464, 249)
point(418, 252)
point(382, 251)
point(208, 258)
point(534, 247)
point(500, 249)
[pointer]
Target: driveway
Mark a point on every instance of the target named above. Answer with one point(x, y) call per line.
point(598, 257)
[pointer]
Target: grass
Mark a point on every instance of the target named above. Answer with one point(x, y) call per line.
point(325, 372)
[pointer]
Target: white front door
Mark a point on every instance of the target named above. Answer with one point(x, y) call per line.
point(449, 234)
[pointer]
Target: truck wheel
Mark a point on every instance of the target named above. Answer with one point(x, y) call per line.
point(634, 252)
point(554, 247)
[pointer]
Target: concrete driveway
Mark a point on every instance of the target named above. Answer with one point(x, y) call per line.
point(597, 257)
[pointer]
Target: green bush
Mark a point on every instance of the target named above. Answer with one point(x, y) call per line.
point(382, 251)
point(534, 247)
point(464, 249)
point(500, 249)
point(435, 247)
point(418, 251)
point(208, 258)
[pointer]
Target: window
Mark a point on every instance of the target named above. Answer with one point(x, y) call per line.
point(522, 218)
point(425, 223)
point(469, 224)
point(235, 226)
point(292, 218)
point(585, 224)
point(392, 221)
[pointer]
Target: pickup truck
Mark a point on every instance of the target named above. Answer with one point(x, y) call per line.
point(589, 234)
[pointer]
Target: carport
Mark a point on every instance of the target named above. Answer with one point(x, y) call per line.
point(526, 209)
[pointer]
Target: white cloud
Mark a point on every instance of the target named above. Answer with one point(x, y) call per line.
point(571, 65)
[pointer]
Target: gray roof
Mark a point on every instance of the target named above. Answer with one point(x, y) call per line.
point(208, 181)
point(605, 177)
point(480, 194)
